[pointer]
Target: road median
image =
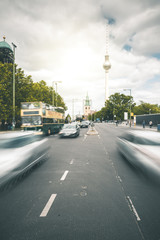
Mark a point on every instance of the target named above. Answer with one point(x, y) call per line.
point(92, 131)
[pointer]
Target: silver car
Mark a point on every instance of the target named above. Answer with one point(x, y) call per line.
point(69, 130)
point(142, 149)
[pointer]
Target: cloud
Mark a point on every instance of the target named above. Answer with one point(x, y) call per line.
point(65, 41)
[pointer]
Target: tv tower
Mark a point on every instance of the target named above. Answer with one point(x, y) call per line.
point(107, 64)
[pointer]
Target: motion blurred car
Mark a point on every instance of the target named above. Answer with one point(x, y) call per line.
point(69, 130)
point(142, 150)
point(84, 124)
point(76, 123)
point(20, 151)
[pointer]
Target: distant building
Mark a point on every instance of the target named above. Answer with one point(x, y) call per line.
point(6, 52)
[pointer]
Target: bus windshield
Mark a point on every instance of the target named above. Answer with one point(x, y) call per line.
point(31, 120)
point(29, 105)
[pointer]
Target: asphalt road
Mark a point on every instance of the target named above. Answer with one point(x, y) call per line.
point(85, 190)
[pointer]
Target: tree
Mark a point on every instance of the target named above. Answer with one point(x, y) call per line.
point(146, 108)
point(25, 91)
point(6, 87)
point(68, 119)
point(117, 105)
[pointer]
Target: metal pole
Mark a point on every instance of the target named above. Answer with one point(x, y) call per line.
point(53, 94)
point(56, 93)
point(13, 121)
point(130, 104)
point(72, 109)
point(130, 107)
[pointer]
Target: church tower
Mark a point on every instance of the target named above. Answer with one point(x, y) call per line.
point(87, 106)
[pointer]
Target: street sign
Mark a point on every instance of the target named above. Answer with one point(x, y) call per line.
point(125, 115)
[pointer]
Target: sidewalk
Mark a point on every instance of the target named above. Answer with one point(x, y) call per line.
point(9, 131)
point(139, 127)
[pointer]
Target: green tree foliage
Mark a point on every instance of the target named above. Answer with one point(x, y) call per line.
point(68, 119)
point(146, 108)
point(25, 91)
point(116, 106)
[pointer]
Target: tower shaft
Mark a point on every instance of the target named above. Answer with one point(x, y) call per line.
point(107, 64)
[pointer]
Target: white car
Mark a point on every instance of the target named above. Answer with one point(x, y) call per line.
point(19, 151)
point(84, 124)
point(142, 149)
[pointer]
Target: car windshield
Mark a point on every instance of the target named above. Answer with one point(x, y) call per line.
point(16, 140)
point(69, 127)
point(144, 139)
point(27, 105)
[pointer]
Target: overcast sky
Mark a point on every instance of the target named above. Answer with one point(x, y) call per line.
point(65, 40)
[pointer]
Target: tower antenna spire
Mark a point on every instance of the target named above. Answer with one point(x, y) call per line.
point(107, 64)
point(107, 37)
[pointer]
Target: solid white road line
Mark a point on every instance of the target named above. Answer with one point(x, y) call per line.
point(64, 175)
point(48, 205)
point(133, 208)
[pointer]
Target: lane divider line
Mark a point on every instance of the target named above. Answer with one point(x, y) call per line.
point(85, 136)
point(71, 162)
point(64, 175)
point(133, 208)
point(48, 205)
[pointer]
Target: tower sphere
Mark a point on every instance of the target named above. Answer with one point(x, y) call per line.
point(107, 64)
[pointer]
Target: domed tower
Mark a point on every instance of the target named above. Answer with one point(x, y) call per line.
point(6, 52)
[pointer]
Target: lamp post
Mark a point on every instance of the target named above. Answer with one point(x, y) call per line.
point(129, 89)
point(73, 101)
point(13, 121)
point(55, 82)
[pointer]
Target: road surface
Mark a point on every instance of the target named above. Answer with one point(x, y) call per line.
point(85, 190)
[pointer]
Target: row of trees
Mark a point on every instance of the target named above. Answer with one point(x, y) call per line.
point(119, 103)
point(25, 90)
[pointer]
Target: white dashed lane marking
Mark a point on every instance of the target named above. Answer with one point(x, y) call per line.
point(48, 205)
point(64, 175)
point(71, 162)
